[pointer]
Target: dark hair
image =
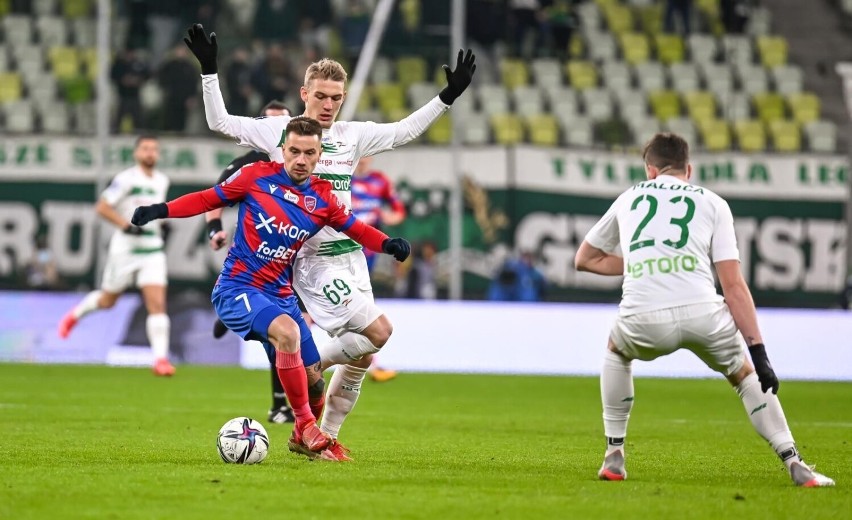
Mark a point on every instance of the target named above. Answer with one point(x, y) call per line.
point(274, 105)
point(144, 137)
point(667, 151)
point(304, 125)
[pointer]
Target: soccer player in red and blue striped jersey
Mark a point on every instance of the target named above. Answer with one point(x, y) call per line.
point(282, 206)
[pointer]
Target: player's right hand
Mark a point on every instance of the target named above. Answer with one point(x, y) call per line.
point(130, 229)
point(458, 80)
point(218, 240)
point(398, 248)
point(765, 372)
point(144, 214)
point(203, 47)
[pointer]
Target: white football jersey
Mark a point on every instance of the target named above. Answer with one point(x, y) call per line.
point(670, 232)
point(127, 191)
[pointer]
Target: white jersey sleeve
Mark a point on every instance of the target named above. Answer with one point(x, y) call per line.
point(604, 235)
point(374, 138)
point(724, 243)
point(118, 188)
point(261, 133)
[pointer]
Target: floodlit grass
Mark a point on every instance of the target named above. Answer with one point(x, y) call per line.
point(101, 442)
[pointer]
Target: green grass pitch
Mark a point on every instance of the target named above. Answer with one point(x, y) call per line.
point(100, 442)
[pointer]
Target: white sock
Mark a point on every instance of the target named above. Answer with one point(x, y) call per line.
point(343, 391)
point(88, 304)
point(765, 413)
point(157, 326)
point(346, 348)
point(617, 398)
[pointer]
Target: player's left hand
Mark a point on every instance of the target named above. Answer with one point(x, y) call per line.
point(458, 80)
point(765, 372)
point(203, 47)
point(399, 248)
point(144, 214)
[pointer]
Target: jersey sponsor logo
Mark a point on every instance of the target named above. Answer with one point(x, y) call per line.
point(310, 203)
point(288, 230)
point(662, 265)
point(339, 182)
point(272, 187)
point(280, 254)
point(289, 196)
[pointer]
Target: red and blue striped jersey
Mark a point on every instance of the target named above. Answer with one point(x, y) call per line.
point(370, 193)
point(276, 216)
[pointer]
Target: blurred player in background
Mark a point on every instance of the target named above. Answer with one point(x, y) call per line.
point(375, 202)
point(136, 255)
point(281, 207)
point(330, 273)
point(280, 412)
point(672, 234)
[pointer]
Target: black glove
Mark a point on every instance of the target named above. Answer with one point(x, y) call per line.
point(144, 214)
point(765, 373)
point(459, 79)
point(213, 227)
point(399, 248)
point(133, 230)
point(205, 48)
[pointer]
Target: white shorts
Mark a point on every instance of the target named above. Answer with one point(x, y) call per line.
point(336, 291)
point(707, 329)
point(124, 270)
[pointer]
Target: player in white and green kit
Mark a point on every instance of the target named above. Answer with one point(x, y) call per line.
point(136, 256)
point(330, 273)
point(672, 235)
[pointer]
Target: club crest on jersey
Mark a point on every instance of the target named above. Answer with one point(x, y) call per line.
point(310, 203)
point(289, 196)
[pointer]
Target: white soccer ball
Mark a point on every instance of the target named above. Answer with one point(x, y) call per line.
point(243, 440)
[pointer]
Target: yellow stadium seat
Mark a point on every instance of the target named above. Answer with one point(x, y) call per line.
point(576, 47)
point(89, 58)
point(772, 50)
point(410, 69)
point(805, 107)
point(786, 136)
point(635, 48)
point(619, 18)
point(751, 135)
point(441, 131)
point(507, 129)
point(389, 97)
point(716, 135)
point(514, 73)
point(651, 17)
point(670, 48)
point(64, 62)
point(76, 8)
point(543, 129)
point(769, 106)
point(665, 104)
point(701, 105)
point(582, 74)
point(5, 7)
point(10, 87)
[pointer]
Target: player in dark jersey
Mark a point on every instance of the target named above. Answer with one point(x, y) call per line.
point(282, 206)
point(280, 412)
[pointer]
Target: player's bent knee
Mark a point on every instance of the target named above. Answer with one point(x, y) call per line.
point(379, 332)
point(284, 334)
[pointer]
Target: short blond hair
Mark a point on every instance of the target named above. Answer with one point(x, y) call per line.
point(325, 68)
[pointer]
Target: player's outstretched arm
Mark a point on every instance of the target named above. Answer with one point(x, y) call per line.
point(186, 206)
point(375, 240)
point(590, 258)
point(262, 134)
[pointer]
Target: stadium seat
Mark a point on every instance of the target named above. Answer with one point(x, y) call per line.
point(651, 18)
point(64, 62)
point(89, 60)
point(578, 132)
point(43, 93)
point(563, 103)
point(76, 8)
point(77, 89)
point(382, 71)
point(735, 106)
point(542, 129)
point(619, 18)
point(582, 74)
point(684, 77)
point(20, 118)
point(514, 73)
point(759, 21)
point(10, 87)
point(494, 99)
point(738, 49)
point(507, 129)
point(788, 79)
point(421, 93)
point(547, 72)
point(750, 135)
point(718, 78)
point(598, 103)
point(476, 129)
point(528, 100)
point(805, 107)
point(703, 48)
point(773, 50)
point(683, 127)
point(643, 130)
point(17, 30)
point(45, 7)
point(465, 104)
point(55, 119)
point(651, 76)
point(670, 48)
point(753, 79)
point(785, 136)
point(84, 32)
point(590, 17)
point(616, 76)
point(633, 106)
point(5, 64)
point(769, 106)
point(410, 69)
point(52, 31)
point(700, 105)
point(665, 104)
point(822, 136)
point(601, 45)
point(635, 48)
point(441, 131)
point(389, 97)
point(716, 135)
